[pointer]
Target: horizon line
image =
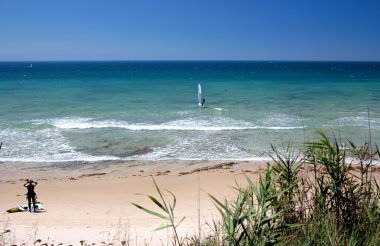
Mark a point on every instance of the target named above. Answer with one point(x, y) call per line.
point(187, 60)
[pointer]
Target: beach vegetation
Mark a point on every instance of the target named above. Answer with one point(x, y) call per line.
point(320, 194)
point(166, 208)
point(256, 216)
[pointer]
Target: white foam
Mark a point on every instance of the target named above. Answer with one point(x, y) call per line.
point(46, 145)
point(50, 144)
point(203, 147)
point(79, 157)
point(284, 121)
point(359, 121)
point(78, 123)
point(190, 124)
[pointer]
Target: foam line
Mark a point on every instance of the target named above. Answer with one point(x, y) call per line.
point(180, 125)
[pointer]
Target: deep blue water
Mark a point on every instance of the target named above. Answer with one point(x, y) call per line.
point(88, 111)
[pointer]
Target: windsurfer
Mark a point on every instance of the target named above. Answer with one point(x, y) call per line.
point(203, 101)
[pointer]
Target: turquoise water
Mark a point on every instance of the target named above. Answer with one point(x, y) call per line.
point(90, 111)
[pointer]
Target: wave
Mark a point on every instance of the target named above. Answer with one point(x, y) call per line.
point(210, 146)
point(46, 145)
point(55, 159)
point(190, 124)
point(56, 140)
point(51, 146)
point(358, 122)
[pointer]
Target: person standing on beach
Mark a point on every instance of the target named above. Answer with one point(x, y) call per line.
point(31, 195)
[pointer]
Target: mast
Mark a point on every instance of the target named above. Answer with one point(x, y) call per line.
point(199, 94)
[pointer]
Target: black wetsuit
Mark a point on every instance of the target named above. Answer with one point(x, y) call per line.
point(31, 195)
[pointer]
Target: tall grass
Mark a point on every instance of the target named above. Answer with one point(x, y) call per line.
point(255, 217)
point(288, 167)
point(342, 202)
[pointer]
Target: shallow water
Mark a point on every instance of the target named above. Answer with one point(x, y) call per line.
point(91, 111)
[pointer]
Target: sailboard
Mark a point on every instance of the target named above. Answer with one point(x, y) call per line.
point(24, 208)
point(201, 99)
point(39, 207)
point(199, 94)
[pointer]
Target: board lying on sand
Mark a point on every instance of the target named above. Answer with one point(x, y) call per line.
point(24, 208)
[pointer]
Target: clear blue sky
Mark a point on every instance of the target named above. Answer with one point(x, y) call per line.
point(189, 30)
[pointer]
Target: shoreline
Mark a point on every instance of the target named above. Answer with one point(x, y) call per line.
point(93, 202)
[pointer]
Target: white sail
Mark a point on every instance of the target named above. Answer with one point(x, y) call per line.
point(199, 94)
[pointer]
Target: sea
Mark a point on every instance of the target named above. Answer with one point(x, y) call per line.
point(60, 112)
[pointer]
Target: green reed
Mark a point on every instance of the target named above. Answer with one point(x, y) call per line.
point(167, 211)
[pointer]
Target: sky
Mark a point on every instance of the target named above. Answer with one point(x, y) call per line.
point(189, 30)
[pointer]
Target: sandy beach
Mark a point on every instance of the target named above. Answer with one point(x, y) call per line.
point(92, 203)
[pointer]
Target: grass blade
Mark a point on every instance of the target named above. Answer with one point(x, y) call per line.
point(151, 212)
point(157, 203)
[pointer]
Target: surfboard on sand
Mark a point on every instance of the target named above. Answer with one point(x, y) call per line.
point(24, 208)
